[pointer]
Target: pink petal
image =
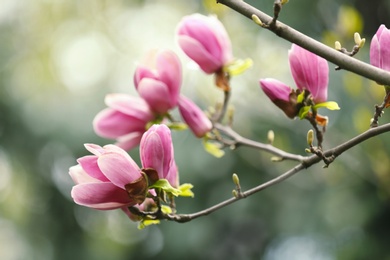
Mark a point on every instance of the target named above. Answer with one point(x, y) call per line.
point(94, 149)
point(119, 168)
point(384, 49)
point(275, 89)
point(310, 72)
point(156, 149)
point(375, 58)
point(156, 94)
point(173, 175)
point(152, 153)
point(110, 123)
point(129, 141)
point(194, 117)
point(89, 165)
point(141, 72)
point(129, 105)
point(102, 195)
point(169, 72)
point(79, 176)
point(199, 54)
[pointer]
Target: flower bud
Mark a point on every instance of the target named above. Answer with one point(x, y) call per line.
point(310, 72)
point(281, 95)
point(158, 80)
point(205, 40)
point(379, 48)
point(195, 118)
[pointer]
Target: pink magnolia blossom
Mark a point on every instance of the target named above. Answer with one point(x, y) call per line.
point(156, 152)
point(103, 179)
point(275, 89)
point(110, 179)
point(310, 72)
point(281, 95)
point(195, 118)
point(125, 119)
point(380, 48)
point(158, 80)
point(205, 40)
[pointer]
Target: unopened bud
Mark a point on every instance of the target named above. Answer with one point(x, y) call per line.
point(307, 150)
point(257, 20)
point(284, 2)
point(276, 159)
point(235, 194)
point(236, 180)
point(362, 42)
point(271, 136)
point(310, 137)
point(337, 45)
point(357, 38)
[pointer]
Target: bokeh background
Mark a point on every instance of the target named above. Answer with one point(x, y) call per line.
point(58, 59)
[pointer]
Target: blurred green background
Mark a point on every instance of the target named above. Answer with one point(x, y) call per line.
point(58, 59)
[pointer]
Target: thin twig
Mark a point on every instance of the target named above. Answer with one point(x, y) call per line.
point(237, 140)
point(379, 110)
point(306, 163)
point(345, 62)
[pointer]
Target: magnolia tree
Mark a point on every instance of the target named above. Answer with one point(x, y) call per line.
point(110, 179)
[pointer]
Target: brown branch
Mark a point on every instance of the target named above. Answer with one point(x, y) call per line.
point(237, 140)
point(331, 154)
point(343, 61)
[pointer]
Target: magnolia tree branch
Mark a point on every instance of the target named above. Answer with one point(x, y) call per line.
point(328, 156)
point(343, 61)
point(237, 140)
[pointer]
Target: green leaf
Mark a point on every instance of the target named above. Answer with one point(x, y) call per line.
point(213, 149)
point(186, 191)
point(331, 105)
point(303, 112)
point(238, 66)
point(147, 222)
point(300, 97)
point(165, 209)
point(164, 185)
point(177, 126)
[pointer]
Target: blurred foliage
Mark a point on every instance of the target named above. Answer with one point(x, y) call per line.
point(58, 59)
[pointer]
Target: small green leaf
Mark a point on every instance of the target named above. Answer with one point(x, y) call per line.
point(303, 112)
point(213, 149)
point(238, 66)
point(177, 126)
point(166, 210)
point(185, 190)
point(147, 222)
point(300, 97)
point(331, 105)
point(164, 185)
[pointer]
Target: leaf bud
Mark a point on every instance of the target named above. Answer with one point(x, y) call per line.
point(271, 136)
point(310, 137)
point(337, 45)
point(257, 20)
point(236, 180)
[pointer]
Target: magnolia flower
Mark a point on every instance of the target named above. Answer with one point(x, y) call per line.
point(275, 89)
point(310, 72)
point(110, 179)
point(158, 80)
point(281, 95)
point(380, 48)
point(125, 119)
point(157, 141)
point(195, 118)
point(205, 40)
